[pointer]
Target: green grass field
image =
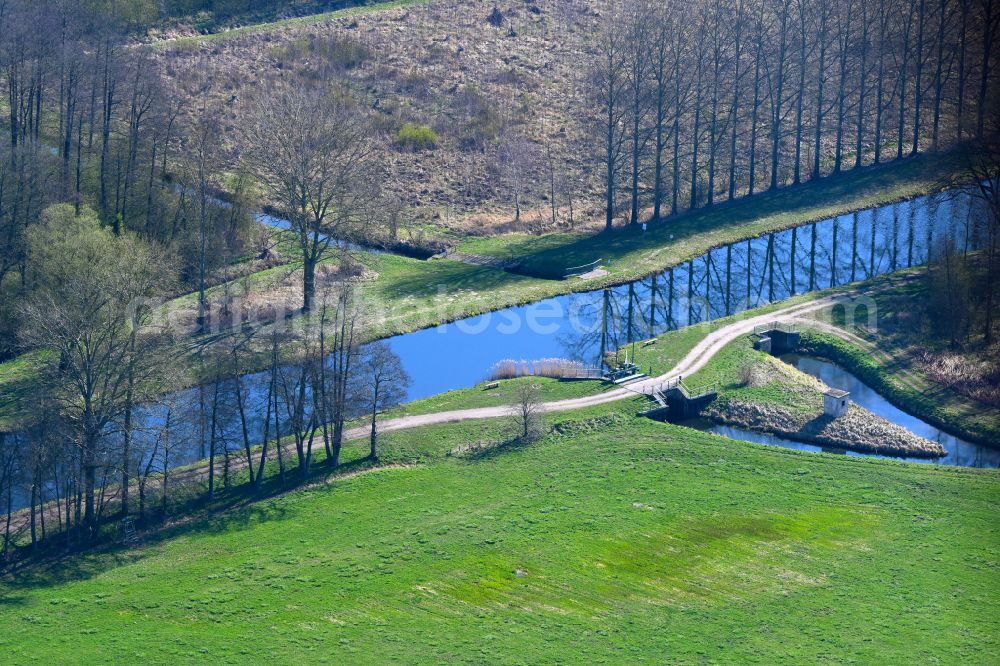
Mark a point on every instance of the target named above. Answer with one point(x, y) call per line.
point(613, 540)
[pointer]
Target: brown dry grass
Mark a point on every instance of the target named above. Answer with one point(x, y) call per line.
point(436, 65)
point(975, 376)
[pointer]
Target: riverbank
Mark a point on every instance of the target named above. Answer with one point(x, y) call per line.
point(897, 354)
point(403, 294)
point(929, 401)
point(761, 393)
point(856, 430)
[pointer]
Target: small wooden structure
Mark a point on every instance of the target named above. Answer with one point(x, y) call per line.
point(835, 402)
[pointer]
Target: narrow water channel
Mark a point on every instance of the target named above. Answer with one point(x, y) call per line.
point(959, 452)
point(725, 281)
point(582, 326)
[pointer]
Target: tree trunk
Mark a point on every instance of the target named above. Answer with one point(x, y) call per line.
point(880, 81)
point(863, 87)
point(797, 176)
point(820, 83)
point(962, 43)
point(696, 138)
point(735, 109)
point(779, 99)
point(989, 34)
point(756, 103)
point(308, 284)
point(374, 451)
point(918, 92)
point(844, 42)
point(938, 77)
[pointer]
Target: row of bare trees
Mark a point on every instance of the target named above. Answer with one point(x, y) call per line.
point(109, 199)
point(700, 103)
point(109, 431)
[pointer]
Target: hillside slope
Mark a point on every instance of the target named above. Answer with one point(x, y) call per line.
point(614, 539)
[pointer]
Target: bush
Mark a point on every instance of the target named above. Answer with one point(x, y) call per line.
point(480, 122)
point(340, 53)
point(754, 374)
point(416, 137)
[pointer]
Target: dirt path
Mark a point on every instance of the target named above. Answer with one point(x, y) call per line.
point(695, 360)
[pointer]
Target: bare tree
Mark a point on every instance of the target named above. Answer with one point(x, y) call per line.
point(516, 157)
point(384, 385)
point(317, 160)
point(202, 149)
point(341, 350)
point(526, 413)
point(986, 174)
point(609, 87)
point(638, 67)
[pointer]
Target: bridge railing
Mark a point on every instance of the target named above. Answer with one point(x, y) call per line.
point(689, 391)
point(580, 270)
point(775, 326)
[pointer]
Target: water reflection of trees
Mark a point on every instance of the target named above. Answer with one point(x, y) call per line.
point(772, 267)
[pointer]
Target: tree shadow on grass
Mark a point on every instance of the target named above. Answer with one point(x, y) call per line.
point(238, 508)
point(551, 262)
point(492, 450)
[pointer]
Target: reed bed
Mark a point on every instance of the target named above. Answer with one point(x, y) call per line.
point(555, 368)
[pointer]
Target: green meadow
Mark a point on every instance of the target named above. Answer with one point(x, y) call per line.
point(614, 539)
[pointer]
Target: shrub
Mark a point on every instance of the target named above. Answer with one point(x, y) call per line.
point(495, 18)
point(480, 123)
point(340, 53)
point(416, 137)
point(754, 374)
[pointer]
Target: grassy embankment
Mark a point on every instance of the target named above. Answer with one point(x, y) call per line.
point(615, 538)
point(416, 294)
point(885, 362)
point(912, 391)
point(759, 392)
point(886, 359)
point(633, 253)
point(409, 294)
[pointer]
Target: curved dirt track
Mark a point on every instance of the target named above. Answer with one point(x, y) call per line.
point(693, 361)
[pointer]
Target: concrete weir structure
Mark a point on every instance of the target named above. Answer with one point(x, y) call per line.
point(776, 338)
point(677, 402)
